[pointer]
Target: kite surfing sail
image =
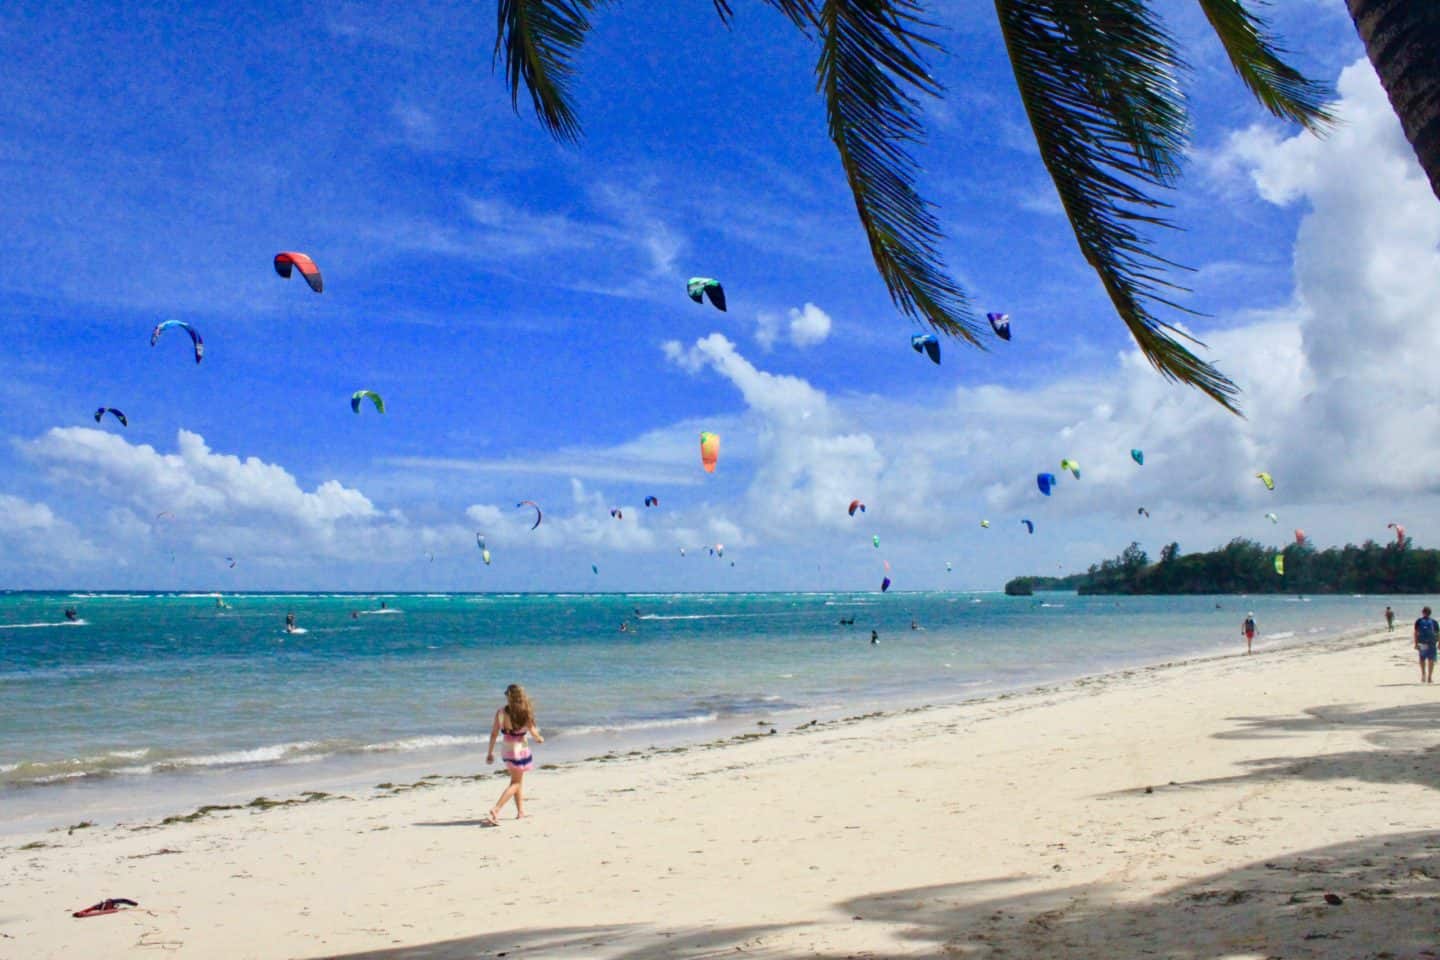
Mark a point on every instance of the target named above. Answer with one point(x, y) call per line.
point(370, 395)
point(652, 501)
point(1071, 465)
point(884, 584)
point(1138, 456)
point(1266, 479)
point(1045, 481)
point(617, 513)
point(876, 540)
point(1000, 323)
point(985, 524)
point(1272, 518)
point(1280, 564)
point(484, 553)
point(1029, 526)
point(1399, 532)
point(856, 505)
point(1299, 536)
point(194, 335)
point(709, 450)
point(285, 261)
point(947, 566)
point(1143, 512)
point(538, 515)
point(125, 423)
point(701, 287)
point(928, 343)
point(231, 561)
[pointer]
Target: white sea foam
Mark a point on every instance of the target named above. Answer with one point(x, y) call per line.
point(55, 623)
point(632, 726)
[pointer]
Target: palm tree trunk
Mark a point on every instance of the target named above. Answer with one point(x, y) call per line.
point(1402, 39)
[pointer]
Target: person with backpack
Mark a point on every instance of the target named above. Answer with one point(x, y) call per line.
point(1427, 635)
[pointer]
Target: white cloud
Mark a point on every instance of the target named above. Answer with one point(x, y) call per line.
point(808, 326)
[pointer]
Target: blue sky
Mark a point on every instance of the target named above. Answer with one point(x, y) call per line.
point(520, 304)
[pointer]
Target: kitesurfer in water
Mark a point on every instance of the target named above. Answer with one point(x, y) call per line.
point(874, 637)
point(70, 614)
point(289, 623)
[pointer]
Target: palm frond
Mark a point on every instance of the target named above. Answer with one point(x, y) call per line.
point(871, 70)
point(1283, 90)
point(1097, 78)
point(540, 39)
point(800, 12)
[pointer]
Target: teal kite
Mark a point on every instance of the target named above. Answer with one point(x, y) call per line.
point(701, 287)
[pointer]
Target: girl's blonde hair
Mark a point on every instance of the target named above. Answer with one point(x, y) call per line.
point(518, 708)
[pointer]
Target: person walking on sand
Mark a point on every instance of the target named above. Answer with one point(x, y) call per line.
point(1248, 628)
point(514, 722)
point(1389, 618)
point(1427, 633)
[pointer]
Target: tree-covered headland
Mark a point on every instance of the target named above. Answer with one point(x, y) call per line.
point(1244, 566)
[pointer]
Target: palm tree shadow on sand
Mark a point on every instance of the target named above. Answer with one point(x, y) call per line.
point(1386, 887)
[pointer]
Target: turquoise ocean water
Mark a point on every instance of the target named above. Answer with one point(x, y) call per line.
point(151, 701)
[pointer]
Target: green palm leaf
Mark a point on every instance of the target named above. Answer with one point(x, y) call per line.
point(540, 39)
point(1282, 89)
point(1097, 78)
point(800, 12)
point(870, 71)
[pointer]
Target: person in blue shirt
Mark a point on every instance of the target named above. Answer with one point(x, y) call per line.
point(1427, 635)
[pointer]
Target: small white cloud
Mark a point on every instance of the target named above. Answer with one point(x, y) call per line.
point(808, 326)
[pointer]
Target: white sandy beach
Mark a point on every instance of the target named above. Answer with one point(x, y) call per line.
point(1196, 810)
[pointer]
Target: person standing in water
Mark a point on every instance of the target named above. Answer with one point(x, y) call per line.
point(514, 722)
point(1389, 618)
point(1248, 628)
point(1427, 634)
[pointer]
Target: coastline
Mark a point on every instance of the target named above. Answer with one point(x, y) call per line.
point(127, 800)
point(1178, 808)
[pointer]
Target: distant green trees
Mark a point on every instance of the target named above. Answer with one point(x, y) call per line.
point(1244, 566)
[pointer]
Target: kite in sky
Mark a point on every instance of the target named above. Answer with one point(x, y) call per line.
point(1143, 512)
point(1266, 479)
point(370, 395)
point(1029, 525)
point(652, 501)
point(194, 335)
point(1045, 481)
point(701, 287)
point(1399, 532)
point(709, 450)
point(125, 423)
point(856, 505)
point(1138, 456)
point(284, 261)
point(1072, 465)
point(538, 515)
point(1000, 323)
point(928, 343)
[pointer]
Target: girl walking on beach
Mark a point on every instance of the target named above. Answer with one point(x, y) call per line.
point(514, 722)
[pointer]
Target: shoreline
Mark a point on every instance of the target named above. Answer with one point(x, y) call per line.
point(1172, 809)
point(122, 799)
